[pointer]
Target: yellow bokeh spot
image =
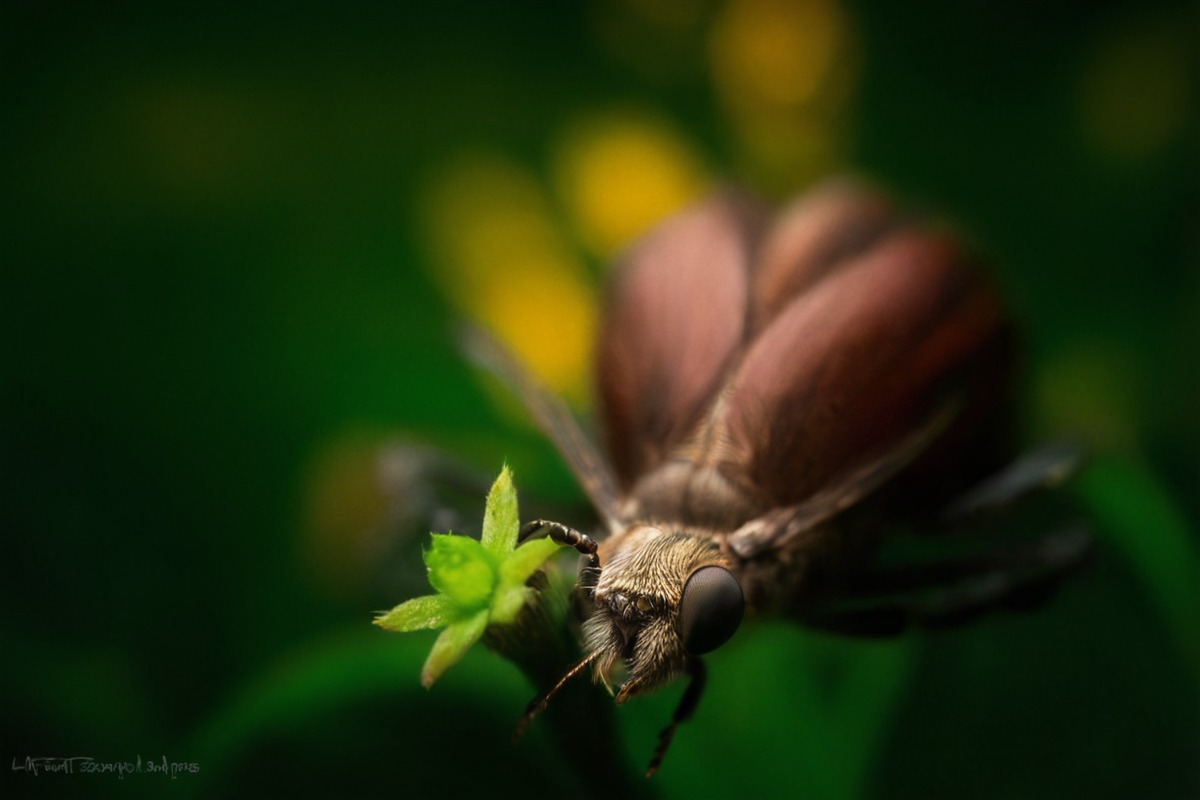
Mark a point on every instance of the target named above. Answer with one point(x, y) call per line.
point(503, 261)
point(784, 72)
point(1089, 388)
point(621, 172)
point(1137, 92)
point(549, 319)
point(775, 52)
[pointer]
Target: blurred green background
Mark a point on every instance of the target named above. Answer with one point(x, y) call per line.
point(235, 239)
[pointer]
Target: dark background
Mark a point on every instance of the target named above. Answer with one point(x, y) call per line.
point(222, 294)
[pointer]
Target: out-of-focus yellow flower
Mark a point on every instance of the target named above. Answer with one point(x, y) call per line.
point(783, 71)
point(775, 53)
point(503, 262)
point(620, 172)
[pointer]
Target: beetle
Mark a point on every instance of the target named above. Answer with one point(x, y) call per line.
point(777, 392)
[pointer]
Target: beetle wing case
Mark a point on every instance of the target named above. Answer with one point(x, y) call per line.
point(746, 367)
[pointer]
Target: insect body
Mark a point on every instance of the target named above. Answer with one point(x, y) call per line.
point(772, 391)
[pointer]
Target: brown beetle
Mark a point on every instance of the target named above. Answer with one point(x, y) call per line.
point(776, 394)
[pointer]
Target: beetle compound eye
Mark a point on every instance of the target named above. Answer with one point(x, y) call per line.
point(710, 610)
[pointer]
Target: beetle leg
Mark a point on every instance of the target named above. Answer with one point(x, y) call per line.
point(563, 534)
point(553, 417)
point(1015, 578)
point(1048, 466)
point(683, 712)
point(1052, 553)
point(569, 537)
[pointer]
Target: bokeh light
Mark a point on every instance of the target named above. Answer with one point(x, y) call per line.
point(1136, 89)
point(503, 261)
point(619, 172)
point(784, 73)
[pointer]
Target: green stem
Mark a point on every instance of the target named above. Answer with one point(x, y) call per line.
point(543, 646)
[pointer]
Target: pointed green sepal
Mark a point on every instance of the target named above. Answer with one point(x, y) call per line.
point(452, 645)
point(500, 520)
point(419, 614)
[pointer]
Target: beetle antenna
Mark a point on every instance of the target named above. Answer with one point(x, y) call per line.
point(538, 704)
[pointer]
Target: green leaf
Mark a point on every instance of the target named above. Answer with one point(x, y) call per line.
point(500, 520)
point(461, 569)
point(452, 645)
point(1143, 519)
point(419, 614)
point(517, 568)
